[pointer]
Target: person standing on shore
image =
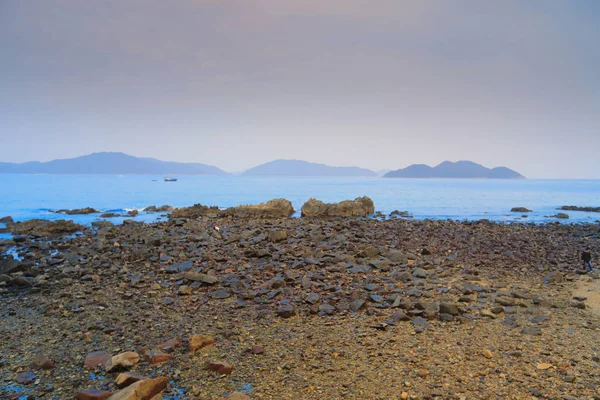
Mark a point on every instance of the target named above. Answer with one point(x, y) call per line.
point(586, 256)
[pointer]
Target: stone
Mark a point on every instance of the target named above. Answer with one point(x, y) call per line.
point(7, 220)
point(93, 394)
point(448, 308)
point(142, 390)
point(553, 277)
point(170, 345)
point(276, 208)
point(238, 396)
point(40, 361)
point(327, 308)
point(313, 298)
point(198, 342)
point(357, 305)
point(487, 353)
point(419, 273)
point(127, 378)
point(277, 236)
point(286, 311)
point(220, 367)
point(26, 377)
point(520, 210)
point(122, 361)
point(359, 207)
point(200, 277)
point(96, 358)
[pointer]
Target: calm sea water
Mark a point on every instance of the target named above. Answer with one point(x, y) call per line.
point(34, 196)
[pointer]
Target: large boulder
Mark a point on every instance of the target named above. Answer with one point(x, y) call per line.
point(165, 208)
point(79, 211)
point(44, 227)
point(7, 220)
point(520, 210)
point(195, 211)
point(276, 208)
point(9, 265)
point(360, 207)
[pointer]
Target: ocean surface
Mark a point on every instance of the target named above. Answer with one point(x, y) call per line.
point(35, 196)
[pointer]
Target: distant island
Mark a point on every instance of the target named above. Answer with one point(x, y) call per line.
point(304, 168)
point(460, 169)
point(110, 163)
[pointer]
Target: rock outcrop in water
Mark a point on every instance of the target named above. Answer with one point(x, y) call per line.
point(42, 227)
point(78, 211)
point(195, 211)
point(276, 208)
point(165, 208)
point(576, 208)
point(360, 207)
point(520, 210)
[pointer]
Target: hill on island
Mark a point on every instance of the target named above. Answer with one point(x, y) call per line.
point(460, 169)
point(110, 163)
point(304, 168)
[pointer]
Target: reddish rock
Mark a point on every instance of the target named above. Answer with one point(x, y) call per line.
point(92, 360)
point(142, 390)
point(40, 361)
point(93, 394)
point(198, 342)
point(238, 396)
point(220, 367)
point(128, 378)
point(170, 345)
point(155, 356)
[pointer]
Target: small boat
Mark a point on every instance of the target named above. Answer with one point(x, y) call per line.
point(170, 179)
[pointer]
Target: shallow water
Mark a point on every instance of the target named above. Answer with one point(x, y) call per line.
point(34, 196)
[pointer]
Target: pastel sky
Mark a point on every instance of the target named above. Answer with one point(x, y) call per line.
point(380, 84)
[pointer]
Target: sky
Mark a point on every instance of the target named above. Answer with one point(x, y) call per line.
point(379, 84)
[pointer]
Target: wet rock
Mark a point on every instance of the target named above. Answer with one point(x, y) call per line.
point(360, 207)
point(220, 367)
point(122, 361)
point(93, 394)
point(198, 342)
point(78, 211)
point(45, 228)
point(165, 208)
point(520, 210)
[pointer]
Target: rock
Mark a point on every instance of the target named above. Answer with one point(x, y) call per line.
point(286, 311)
point(396, 256)
point(133, 213)
point(93, 394)
point(221, 294)
point(96, 358)
point(7, 220)
point(200, 277)
point(487, 353)
point(238, 396)
point(419, 322)
point(531, 330)
point(109, 215)
point(313, 298)
point(197, 210)
point(553, 277)
point(277, 236)
point(40, 361)
point(576, 208)
point(359, 207)
point(448, 308)
point(122, 361)
point(157, 357)
point(26, 377)
point(44, 227)
point(419, 273)
point(357, 305)
point(561, 216)
point(220, 367)
point(276, 208)
point(544, 366)
point(520, 210)
point(164, 208)
point(170, 345)
point(127, 378)
point(79, 211)
point(198, 342)
point(142, 390)
point(327, 309)
point(9, 265)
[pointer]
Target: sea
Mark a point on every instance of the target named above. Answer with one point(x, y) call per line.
point(27, 197)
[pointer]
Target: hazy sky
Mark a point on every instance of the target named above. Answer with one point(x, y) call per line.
point(235, 83)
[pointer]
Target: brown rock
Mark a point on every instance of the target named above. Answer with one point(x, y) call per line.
point(122, 361)
point(238, 396)
point(40, 361)
point(359, 207)
point(92, 360)
point(141, 390)
point(128, 378)
point(198, 342)
point(220, 367)
point(93, 394)
point(170, 345)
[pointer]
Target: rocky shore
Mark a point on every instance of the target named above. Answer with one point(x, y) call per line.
point(247, 303)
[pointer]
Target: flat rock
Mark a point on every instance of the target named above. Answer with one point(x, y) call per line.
point(93, 394)
point(122, 361)
point(96, 358)
point(198, 342)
